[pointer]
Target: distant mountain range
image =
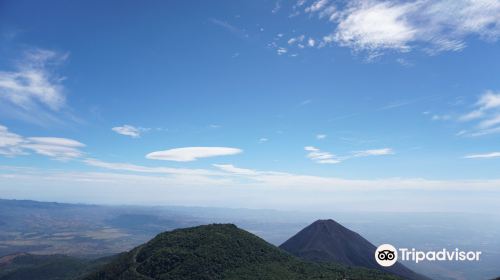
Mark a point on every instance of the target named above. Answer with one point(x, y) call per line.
point(328, 241)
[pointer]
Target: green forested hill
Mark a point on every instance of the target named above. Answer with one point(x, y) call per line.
point(220, 251)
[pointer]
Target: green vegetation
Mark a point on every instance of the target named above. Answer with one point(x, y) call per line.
point(220, 252)
point(47, 267)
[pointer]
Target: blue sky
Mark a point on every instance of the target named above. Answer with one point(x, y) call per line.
point(275, 104)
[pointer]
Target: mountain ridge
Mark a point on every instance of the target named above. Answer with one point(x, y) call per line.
point(329, 241)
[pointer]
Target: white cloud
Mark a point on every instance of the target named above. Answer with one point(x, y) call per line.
point(432, 26)
point(311, 42)
point(192, 153)
point(441, 117)
point(480, 132)
point(281, 51)
point(263, 140)
point(235, 170)
point(58, 148)
point(485, 116)
point(56, 141)
point(471, 116)
point(493, 121)
point(316, 6)
point(129, 130)
point(33, 91)
point(330, 12)
point(300, 3)
point(320, 136)
point(319, 156)
point(370, 25)
point(374, 152)
point(489, 100)
point(488, 155)
point(12, 144)
point(297, 39)
point(147, 169)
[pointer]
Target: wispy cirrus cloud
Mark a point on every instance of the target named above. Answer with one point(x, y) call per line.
point(489, 100)
point(241, 33)
point(323, 157)
point(12, 145)
point(316, 6)
point(485, 116)
point(33, 91)
point(192, 153)
point(374, 26)
point(378, 26)
point(479, 118)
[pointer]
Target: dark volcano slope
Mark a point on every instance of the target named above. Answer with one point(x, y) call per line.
point(220, 251)
point(328, 241)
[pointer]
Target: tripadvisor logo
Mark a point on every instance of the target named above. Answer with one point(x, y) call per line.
point(387, 255)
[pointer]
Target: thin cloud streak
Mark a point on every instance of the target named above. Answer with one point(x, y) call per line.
point(323, 157)
point(484, 156)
